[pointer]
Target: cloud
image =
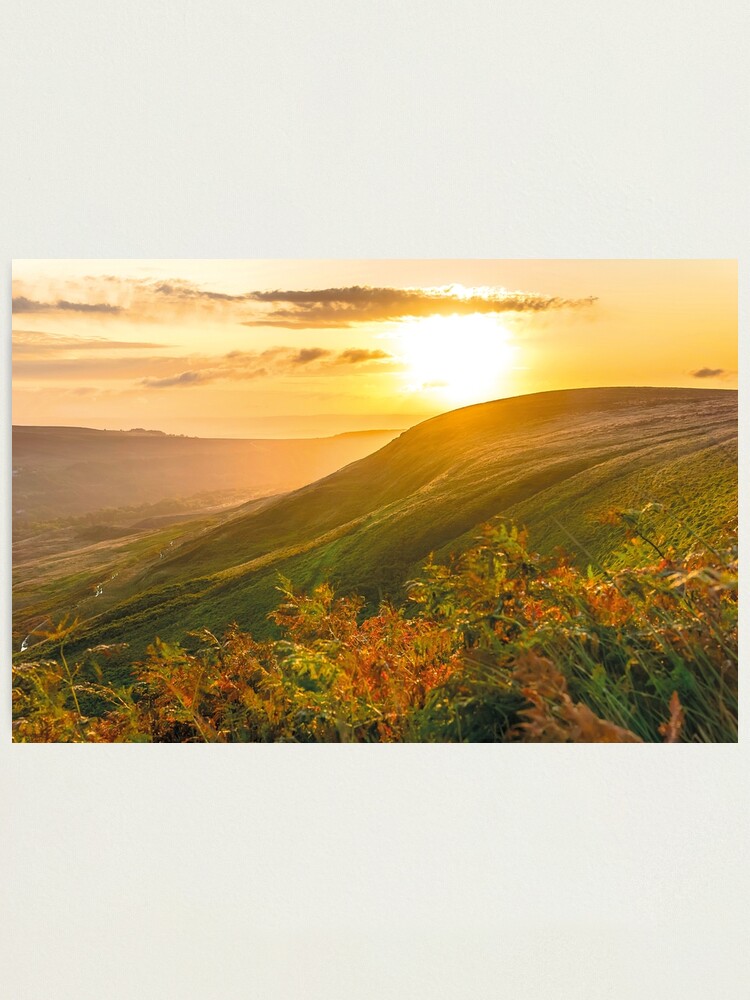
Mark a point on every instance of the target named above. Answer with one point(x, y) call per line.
point(186, 290)
point(85, 307)
point(21, 304)
point(308, 354)
point(52, 357)
point(202, 376)
point(184, 378)
point(345, 307)
point(136, 298)
point(39, 344)
point(169, 300)
point(708, 372)
point(268, 354)
point(357, 355)
point(242, 365)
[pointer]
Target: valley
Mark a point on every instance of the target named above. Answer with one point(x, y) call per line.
point(94, 509)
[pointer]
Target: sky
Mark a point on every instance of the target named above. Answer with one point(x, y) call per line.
point(301, 348)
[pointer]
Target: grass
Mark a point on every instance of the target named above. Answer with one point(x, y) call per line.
point(554, 462)
point(609, 617)
point(60, 583)
point(500, 644)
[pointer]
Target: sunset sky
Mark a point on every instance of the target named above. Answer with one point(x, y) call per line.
point(304, 348)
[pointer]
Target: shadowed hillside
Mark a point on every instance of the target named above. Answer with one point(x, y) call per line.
point(555, 461)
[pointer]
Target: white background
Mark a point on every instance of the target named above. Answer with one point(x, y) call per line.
point(233, 128)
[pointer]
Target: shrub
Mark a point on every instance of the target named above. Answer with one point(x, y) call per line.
point(498, 645)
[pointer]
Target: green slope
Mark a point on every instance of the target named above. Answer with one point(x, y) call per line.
point(555, 461)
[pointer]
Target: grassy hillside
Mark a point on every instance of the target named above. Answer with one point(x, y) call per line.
point(555, 461)
point(503, 645)
point(92, 508)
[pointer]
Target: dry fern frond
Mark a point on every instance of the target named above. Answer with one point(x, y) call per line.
point(553, 717)
point(672, 728)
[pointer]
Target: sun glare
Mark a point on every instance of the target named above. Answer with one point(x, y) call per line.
point(462, 359)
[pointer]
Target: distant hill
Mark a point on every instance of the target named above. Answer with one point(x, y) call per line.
point(61, 472)
point(555, 461)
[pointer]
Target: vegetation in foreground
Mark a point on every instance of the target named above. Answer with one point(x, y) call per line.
point(499, 645)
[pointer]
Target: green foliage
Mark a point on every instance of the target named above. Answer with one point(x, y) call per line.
point(498, 644)
point(624, 641)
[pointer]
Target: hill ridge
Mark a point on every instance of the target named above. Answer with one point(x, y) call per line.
point(368, 525)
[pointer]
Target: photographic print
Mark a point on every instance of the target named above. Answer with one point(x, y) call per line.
point(374, 501)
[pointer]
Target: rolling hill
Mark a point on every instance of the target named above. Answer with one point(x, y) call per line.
point(63, 472)
point(553, 461)
point(92, 506)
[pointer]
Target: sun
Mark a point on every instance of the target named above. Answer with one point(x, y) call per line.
point(463, 359)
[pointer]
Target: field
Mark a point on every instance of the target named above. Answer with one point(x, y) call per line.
point(599, 496)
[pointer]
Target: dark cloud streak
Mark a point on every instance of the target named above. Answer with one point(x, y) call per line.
point(357, 355)
point(308, 354)
point(185, 378)
point(21, 304)
point(293, 309)
point(201, 376)
point(185, 290)
point(345, 307)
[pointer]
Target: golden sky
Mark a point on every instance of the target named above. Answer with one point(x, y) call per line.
point(303, 348)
